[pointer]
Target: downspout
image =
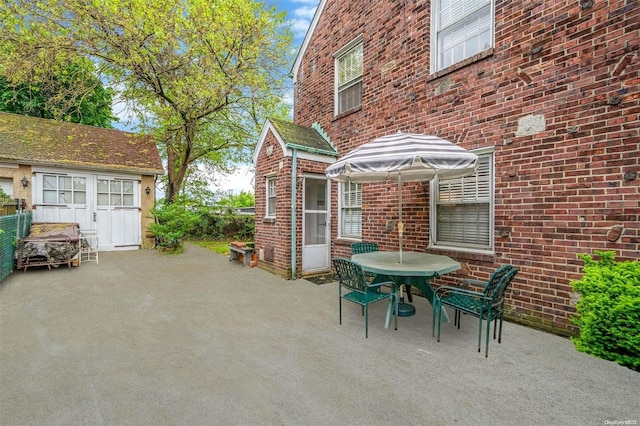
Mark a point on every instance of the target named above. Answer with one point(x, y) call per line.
point(294, 196)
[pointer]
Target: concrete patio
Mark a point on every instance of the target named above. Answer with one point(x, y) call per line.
point(150, 339)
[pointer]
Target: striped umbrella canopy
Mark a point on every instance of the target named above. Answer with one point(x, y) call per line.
point(403, 157)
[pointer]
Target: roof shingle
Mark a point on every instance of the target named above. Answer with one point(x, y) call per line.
point(31, 140)
point(304, 137)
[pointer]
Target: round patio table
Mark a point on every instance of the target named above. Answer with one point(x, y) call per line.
point(415, 270)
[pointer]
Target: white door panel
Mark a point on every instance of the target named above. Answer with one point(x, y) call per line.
point(108, 204)
point(315, 225)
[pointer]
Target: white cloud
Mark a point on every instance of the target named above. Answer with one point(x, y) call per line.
point(302, 17)
point(299, 27)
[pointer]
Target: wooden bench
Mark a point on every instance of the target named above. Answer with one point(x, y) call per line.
point(240, 252)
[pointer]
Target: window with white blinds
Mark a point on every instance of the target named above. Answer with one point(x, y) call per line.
point(464, 209)
point(349, 77)
point(351, 210)
point(461, 28)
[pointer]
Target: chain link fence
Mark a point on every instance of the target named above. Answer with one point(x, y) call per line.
point(12, 228)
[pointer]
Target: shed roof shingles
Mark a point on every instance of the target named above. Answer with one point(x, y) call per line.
point(292, 133)
point(40, 141)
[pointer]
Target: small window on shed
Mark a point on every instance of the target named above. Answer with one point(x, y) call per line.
point(271, 196)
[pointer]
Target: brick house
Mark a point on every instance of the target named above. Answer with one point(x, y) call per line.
point(102, 179)
point(546, 93)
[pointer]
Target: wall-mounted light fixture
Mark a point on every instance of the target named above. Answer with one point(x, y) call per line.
point(147, 190)
point(25, 181)
point(299, 179)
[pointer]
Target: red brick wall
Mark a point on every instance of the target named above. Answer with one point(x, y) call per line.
point(275, 234)
point(558, 192)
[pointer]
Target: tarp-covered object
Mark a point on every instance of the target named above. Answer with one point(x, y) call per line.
point(405, 156)
point(49, 244)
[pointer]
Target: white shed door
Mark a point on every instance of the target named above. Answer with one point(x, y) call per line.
point(108, 204)
point(118, 213)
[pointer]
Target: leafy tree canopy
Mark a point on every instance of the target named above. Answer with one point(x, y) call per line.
point(201, 74)
point(72, 93)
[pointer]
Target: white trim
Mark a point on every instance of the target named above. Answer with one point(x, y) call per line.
point(266, 127)
point(341, 207)
point(9, 165)
point(433, 217)
point(312, 157)
point(275, 197)
point(286, 152)
point(58, 170)
point(307, 40)
point(434, 65)
point(326, 211)
point(336, 70)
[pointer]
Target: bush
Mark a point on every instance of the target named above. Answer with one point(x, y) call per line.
point(172, 222)
point(179, 220)
point(608, 312)
point(228, 226)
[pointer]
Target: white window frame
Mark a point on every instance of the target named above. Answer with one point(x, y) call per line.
point(344, 206)
point(118, 192)
point(270, 197)
point(77, 186)
point(340, 88)
point(486, 157)
point(467, 19)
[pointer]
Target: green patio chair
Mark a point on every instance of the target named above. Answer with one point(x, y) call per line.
point(352, 280)
point(487, 304)
point(363, 247)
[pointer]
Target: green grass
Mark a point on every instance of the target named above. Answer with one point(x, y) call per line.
point(221, 247)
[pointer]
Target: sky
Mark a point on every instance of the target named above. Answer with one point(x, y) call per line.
point(299, 16)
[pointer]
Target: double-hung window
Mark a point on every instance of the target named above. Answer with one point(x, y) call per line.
point(462, 209)
point(349, 76)
point(350, 210)
point(271, 196)
point(460, 29)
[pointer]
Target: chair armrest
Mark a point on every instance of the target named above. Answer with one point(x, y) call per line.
point(441, 291)
point(471, 282)
point(380, 284)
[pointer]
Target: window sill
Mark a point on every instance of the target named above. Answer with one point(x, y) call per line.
point(458, 65)
point(344, 241)
point(464, 253)
point(347, 112)
point(269, 220)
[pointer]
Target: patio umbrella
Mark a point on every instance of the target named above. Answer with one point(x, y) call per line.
point(403, 157)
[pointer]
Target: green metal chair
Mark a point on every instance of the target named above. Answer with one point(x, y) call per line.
point(363, 247)
point(487, 304)
point(352, 279)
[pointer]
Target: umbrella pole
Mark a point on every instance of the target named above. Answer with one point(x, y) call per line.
point(400, 223)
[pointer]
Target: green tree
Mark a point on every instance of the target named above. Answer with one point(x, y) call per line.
point(72, 93)
point(243, 199)
point(201, 74)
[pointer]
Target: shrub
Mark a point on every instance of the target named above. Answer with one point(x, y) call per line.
point(172, 222)
point(212, 225)
point(608, 312)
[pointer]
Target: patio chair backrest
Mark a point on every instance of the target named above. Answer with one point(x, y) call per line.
point(498, 283)
point(363, 247)
point(350, 274)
